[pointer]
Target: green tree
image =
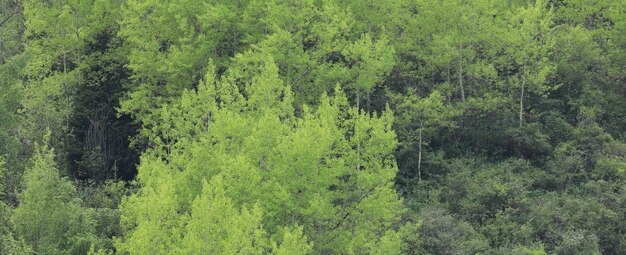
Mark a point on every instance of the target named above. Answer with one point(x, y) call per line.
point(421, 115)
point(317, 45)
point(443, 234)
point(458, 45)
point(530, 47)
point(71, 82)
point(8, 242)
point(11, 29)
point(217, 227)
point(54, 36)
point(11, 64)
point(169, 43)
point(339, 192)
point(49, 218)
point(10, 146)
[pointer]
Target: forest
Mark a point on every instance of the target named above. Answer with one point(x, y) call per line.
point(445, 127)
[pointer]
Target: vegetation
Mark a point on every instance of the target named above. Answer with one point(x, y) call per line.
point(312, 127)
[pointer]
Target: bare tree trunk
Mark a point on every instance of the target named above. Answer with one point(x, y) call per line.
point(521, 111)
point(521, 98)
point(358, 145)
point(368, 102)
point(461, 73)
point(65, 85)
point(419, 153)
point(9, 17)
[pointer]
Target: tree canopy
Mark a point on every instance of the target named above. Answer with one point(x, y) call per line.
point(312, 127)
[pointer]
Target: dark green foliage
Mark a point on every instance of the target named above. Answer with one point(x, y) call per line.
point(441, 233)
point(102, 136)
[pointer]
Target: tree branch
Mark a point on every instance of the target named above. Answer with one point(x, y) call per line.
point(8, 18)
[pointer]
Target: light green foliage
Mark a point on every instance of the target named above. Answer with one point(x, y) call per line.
point(216, 227)
point(422, 113)
point(169, 43)
point(530, 43)
point(338, 192)
point(155, 201)
point(318, 46)
point(53, 56)
point(293, 243)
point(460, 46)
point(527, 251)
point(371, 62)
point(615, 13)
point(8, 243)
point(314, 48)
point(49, 218)
point(529, 48)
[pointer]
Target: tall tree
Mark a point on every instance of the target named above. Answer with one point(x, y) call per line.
point(530, 48)
point(11, 29)
point(338, 192)
point(72, 84)
point(418, 118)
point(169, 44)
point(49, 217)
point(54, 37)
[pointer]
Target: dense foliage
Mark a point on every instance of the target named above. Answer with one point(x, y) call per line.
point(312, 127)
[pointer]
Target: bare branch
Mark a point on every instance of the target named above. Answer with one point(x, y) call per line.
point(8, 18)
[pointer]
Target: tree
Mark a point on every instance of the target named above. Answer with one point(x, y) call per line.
point(318, 45)
point(10, 146)
point(443, 234)
point(8, 243)
point(216, 227)
point(421, 114)
point(459, 43)
point(530, 48)
point(616, 53)
point(11, 29)
point(71, 83)
point(339, 193)
point(49, 218)
point(54, 36)
point(169, 43)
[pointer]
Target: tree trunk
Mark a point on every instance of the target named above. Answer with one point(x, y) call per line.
point(358, 145)
point(368, 102)
point(521, 98)
point(521, 111)
point(419, 154)
point(65, 85)
point(461, 73)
